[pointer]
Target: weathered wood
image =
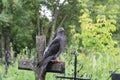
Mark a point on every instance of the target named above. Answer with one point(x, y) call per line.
point(26, 64)
point(40, 46)
point(58, 67)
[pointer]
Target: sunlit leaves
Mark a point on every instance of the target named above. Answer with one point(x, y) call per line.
point(97, 35)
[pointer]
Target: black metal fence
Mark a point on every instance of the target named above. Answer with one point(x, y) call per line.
point(75, 71)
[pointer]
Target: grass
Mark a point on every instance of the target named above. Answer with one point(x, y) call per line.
point(15, 74)
point(98, 66)
point(95, 66)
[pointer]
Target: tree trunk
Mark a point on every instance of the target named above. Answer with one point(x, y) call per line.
point(5, 46)
point(8, 39)
point(7, 49)
point(1, 30)
point(38, 20)
point(2, 44)
point(54, 20)
point(55, 16)
point(0, 6)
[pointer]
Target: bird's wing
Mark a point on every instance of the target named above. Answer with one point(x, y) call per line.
point(53, 48)
point(50, 52)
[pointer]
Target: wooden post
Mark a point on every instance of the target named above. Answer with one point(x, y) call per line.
point(26, 64)
point(40, 46)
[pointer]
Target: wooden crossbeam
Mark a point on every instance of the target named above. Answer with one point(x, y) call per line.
point(58, 67)
point(26, 64)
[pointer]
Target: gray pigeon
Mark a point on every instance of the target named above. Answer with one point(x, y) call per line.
point(53, 50)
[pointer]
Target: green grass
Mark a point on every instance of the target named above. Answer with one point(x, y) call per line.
point(15, 74)
point(96, 65)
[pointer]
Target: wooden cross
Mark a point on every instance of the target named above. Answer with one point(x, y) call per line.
point(27, 64)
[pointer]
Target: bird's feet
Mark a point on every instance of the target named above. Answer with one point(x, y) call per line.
point(56, 61)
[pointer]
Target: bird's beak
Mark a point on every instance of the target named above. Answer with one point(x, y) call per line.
point(62, 29)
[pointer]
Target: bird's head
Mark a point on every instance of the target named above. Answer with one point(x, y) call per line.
point(60, 29)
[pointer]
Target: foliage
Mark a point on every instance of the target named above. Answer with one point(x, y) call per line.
point(95, 43)
point(5, 19)
point(92, 28)
point(97, 36)
point(97, 49)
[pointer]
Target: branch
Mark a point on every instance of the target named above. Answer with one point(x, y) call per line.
point(63, 3)
point(63, 20)
point(56, 13)
point(54, 20)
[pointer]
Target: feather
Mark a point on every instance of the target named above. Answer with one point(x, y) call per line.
point(53, 50)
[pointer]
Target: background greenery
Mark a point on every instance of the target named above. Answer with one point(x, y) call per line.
point(92, 28)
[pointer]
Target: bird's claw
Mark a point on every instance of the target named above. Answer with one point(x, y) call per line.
point(56, 61)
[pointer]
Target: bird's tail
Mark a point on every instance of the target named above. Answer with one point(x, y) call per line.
point(43, 70)
point(44, 61)
point(43, 64)
point(40, 63)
